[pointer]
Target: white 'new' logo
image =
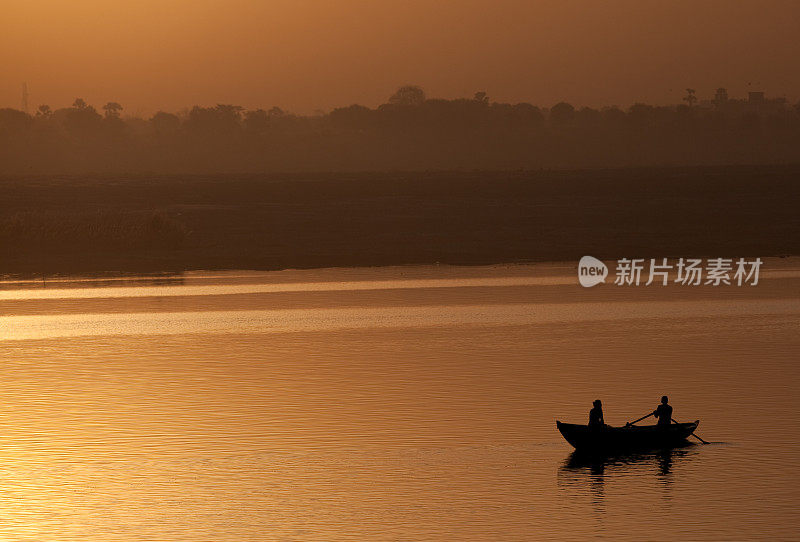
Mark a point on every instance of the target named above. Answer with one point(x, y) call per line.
point(591, 271)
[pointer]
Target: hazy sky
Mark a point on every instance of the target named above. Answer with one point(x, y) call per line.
point(304, 55)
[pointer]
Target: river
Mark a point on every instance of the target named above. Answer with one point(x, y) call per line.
point(405, 403)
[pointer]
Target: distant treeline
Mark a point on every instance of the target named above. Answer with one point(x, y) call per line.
point(409, 132)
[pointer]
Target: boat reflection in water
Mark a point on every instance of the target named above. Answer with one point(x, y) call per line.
point(581, 471)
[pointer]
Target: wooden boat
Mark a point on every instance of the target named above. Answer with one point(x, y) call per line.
point(632, 437)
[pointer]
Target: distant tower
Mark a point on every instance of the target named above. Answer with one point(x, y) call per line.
point(25, 97)
point(721, 96)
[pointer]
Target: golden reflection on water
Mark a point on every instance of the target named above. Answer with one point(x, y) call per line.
point(418, 413)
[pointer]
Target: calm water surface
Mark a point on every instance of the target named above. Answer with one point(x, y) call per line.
point(392, 404)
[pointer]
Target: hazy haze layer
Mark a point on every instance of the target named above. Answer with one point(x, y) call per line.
point(303, 55)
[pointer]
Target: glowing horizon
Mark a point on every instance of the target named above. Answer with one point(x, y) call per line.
point(309, 55)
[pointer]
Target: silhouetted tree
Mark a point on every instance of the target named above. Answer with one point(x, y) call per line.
point(256, 121)
point(690, 97)
point(220, 121)
point(13, 121)
point(165, 123)
point(641, 114)
point(588, 116)
point(481, 97)
point(410, 132)
point(232, 112)
point(354, 117)
point(82, 119)
point(112, 110)
point(613, 115)
point(529, 113)
point(562, 112)
point(409, 95)
point(44, 111)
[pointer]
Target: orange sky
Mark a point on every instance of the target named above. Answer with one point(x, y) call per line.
point(304, 55)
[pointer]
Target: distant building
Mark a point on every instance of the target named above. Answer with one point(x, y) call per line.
point(756, 103)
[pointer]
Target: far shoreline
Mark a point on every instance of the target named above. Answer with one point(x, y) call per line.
point(770, 266)
point(107, 226)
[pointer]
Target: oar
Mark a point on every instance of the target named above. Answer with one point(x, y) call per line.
point(640, 419)
point(695, 436)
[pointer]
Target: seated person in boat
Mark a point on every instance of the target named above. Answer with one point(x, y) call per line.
point(663, 413)
point(596, 416)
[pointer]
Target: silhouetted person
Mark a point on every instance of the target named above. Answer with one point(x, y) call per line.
point(596, 416)
point(663, 413)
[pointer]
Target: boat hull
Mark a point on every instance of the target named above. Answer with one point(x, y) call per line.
point(611, 439)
